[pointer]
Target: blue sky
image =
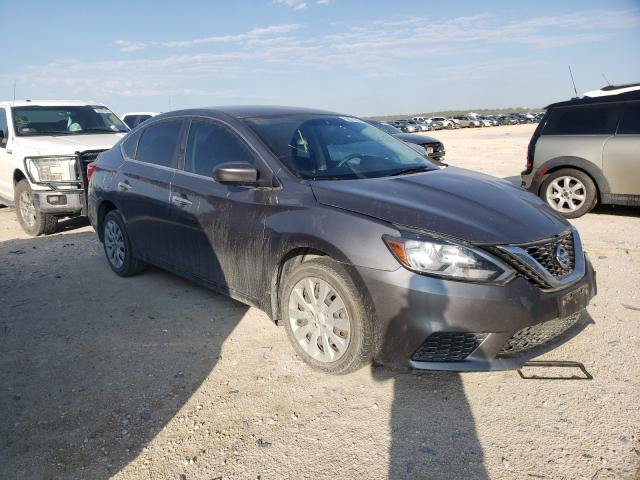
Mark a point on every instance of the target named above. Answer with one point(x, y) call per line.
point(355, 56)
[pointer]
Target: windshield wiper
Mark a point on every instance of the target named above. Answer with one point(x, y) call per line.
point(409, 170)
point(97, 130)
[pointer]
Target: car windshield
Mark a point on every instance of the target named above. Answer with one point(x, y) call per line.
point(72, 120)
point(324, 147)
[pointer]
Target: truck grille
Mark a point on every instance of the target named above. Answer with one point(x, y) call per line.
point(530, 338)
point(84, 159)
point(448, 346)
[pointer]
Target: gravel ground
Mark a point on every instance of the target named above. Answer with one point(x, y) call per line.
point(152, 377)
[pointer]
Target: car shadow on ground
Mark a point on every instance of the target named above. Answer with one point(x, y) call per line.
point(433, 434)
point(87, 379)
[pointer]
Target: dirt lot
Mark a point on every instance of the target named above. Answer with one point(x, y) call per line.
point(152, 377)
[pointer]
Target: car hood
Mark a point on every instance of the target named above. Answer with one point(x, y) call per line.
point(452, 201)
point(416, 138)
point(66, 144)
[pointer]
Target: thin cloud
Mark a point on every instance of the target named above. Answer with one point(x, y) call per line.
point(295, 4)
point(250, 35)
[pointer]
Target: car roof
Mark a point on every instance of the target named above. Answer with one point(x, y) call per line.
point(48, 103)
point(247, 111)
point(619, 97)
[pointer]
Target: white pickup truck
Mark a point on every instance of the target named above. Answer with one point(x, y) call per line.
point(45, 147)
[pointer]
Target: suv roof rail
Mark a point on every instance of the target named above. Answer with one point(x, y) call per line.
point(623, 96)
point(613, 90)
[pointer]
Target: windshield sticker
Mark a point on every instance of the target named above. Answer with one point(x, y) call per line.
point(104, 111)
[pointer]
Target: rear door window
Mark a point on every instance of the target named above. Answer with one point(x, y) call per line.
point(158, 143)
point(210, 144)
point(630, 123)
point(589, 120)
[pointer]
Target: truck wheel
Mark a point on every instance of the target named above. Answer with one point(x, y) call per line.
point(569, 192)
point(325, 318)
point(32, 220)
point(117, 246)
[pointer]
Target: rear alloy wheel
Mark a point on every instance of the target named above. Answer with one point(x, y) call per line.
point(569, 192)
point(32, 220)
point(117, 246)
point(324, 317)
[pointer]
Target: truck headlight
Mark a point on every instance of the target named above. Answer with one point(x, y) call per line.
point(52, 169)
point(444, 258)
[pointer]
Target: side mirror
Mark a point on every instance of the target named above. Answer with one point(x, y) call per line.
point(236, 173)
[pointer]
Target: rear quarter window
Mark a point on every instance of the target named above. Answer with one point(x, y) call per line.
point(630, 124)
point(590, 120)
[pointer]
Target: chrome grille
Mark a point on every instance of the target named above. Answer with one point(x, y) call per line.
point(545, 255)
point(538, 261)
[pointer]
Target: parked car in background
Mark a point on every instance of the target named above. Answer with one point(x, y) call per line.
point(406, 126)
point(433, 148)
point(466, 121)
point(363, 249)
point(45, 147)
point(586, 151)
point(133, 119)
point(442, 122)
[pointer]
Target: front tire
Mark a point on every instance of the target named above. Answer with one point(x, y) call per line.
point(569, 192)
point(325, 317)
point(32, 220)
point(117, 246)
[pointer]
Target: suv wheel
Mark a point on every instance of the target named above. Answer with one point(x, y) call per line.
point(569, 192)
point(117, 246)
point(32, 220)
point(325, 318)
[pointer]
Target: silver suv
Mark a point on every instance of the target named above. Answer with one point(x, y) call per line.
point(587, 150)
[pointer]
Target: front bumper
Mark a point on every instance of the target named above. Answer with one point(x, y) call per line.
point(60, 202)
point(410, 308)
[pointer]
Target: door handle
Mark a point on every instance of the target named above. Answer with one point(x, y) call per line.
point(180, 201)
point(124, 186)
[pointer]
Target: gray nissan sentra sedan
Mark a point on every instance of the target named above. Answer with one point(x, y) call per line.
point(358, 245)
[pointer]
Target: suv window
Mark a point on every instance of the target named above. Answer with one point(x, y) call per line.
point(630, 120)
point(158, 143)
point(210, 144)
point(3, 123)
point(591, 120)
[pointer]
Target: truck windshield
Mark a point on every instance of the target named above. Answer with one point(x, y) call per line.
point(324, 147)
point(61, 120)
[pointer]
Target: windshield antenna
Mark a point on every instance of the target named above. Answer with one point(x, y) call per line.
point(606, 79)
point(573, 81)
point(14, 92)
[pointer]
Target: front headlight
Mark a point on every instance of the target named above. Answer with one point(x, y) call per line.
point(444, 258)
point(52, 169)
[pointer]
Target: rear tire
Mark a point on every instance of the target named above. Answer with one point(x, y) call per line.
point(571, 193)
point(325, 317)
point(32, 220)
point(117, 246)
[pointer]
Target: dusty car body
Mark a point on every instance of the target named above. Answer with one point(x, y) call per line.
point(360, 247)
